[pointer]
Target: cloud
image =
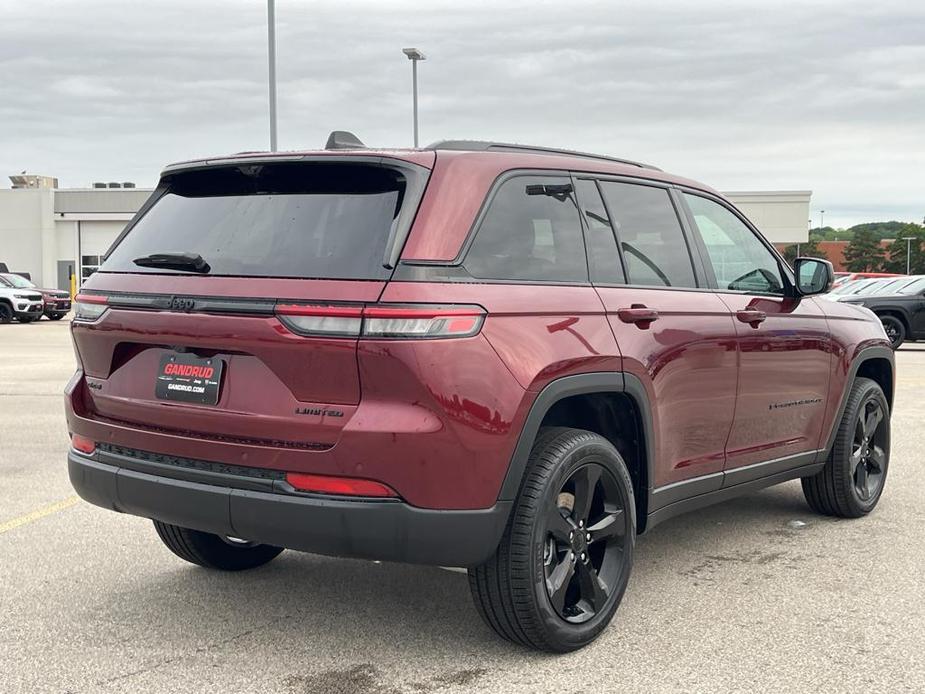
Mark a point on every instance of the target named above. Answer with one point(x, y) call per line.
point(823, 95)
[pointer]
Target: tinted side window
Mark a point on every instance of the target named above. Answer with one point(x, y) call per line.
point(603, 257)
point(740, 260)
point(531, 231)
point(654, 249)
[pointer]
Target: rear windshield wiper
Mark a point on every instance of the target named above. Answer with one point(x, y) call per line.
point(188, 262)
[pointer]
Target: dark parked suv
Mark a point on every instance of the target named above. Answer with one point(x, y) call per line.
point(901, 312)
point(499, 357)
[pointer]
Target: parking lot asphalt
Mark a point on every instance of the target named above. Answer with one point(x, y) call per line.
point(754, 594)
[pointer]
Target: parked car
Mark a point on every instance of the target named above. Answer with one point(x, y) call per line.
point(862, 286)
point(57, 303)
point(844, 277)
point(506, 358)
point(22, 304)
point(902, 311)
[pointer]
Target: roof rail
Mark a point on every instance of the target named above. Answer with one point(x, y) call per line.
point(486, 146)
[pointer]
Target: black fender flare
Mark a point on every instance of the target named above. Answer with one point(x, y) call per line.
point(864, 355)
point(580, 384)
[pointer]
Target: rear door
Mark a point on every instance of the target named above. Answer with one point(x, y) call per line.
point(291, 252)
point(673, 331)
point(784, 344)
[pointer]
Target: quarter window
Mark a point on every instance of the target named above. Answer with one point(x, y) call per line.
point(741, 262)
point(651, 239)
point(531, 231)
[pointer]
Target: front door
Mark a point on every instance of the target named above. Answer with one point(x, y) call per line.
point(675, 333)
point(785, 351)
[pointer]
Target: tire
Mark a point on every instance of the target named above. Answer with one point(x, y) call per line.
point(56, 316)
point(895, 330)
point(515, 590)
point(214, 551)
point(852, 481)
point(6, 314)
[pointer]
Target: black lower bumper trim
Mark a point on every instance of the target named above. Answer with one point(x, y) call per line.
point(384, 530)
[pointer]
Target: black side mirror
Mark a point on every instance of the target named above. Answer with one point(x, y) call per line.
point(814, 275)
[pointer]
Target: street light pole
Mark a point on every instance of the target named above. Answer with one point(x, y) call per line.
point(414, 55)
point(271, 56)
point(909, 240)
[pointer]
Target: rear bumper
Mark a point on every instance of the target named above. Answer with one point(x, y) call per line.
point(262, 510)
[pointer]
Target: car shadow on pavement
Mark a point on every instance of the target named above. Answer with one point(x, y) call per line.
point(364, 611)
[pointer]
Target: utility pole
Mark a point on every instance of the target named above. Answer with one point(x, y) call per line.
point(908, 240)
point(271, 56)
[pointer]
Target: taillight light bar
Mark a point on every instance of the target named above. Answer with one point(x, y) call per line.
point(89, 307)
point(383, 321)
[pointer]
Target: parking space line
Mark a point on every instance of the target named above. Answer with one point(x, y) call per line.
point(38, 513)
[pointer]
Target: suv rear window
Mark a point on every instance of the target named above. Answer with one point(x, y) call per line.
point(315, 220)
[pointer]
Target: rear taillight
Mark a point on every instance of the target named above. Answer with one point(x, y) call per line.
point(341, 486)
point(383, 321)
point(416, 321)
point(333, 321)
point(89, 307)
point(82, 444)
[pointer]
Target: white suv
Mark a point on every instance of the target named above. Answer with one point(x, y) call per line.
point(25, 305)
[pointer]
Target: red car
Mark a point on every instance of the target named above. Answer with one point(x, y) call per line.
point(505, 358)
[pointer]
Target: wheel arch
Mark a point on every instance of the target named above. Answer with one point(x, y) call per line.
point(612, 404)
point(875, 363)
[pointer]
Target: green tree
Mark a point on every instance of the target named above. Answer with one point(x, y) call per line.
point(864, 253)
point(887, 230)
point(829, 234)
point(810, 249)
point(897, 252)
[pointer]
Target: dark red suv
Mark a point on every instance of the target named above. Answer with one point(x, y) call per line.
point(506, 358)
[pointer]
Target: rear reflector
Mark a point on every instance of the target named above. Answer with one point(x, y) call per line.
point(343, 486)
point(82, 444)
point(396, 321)
point(89, 307)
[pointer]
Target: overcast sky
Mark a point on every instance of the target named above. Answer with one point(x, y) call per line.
point(827, 96)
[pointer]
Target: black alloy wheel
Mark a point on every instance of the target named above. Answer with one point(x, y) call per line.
point(563, 563)
point(894, 329)
point(852, 481)
point(868, 453)
point(585, 543)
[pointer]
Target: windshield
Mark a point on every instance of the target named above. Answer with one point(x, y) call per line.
point(331, 221)
point(17, 281)
point(914, 287)
point(846, 288)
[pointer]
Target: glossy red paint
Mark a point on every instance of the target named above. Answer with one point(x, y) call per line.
point(686, 358)
point(785, 363)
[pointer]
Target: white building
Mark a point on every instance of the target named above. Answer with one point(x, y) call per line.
point(51, 232)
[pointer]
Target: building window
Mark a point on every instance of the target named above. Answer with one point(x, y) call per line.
point(88, 265)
